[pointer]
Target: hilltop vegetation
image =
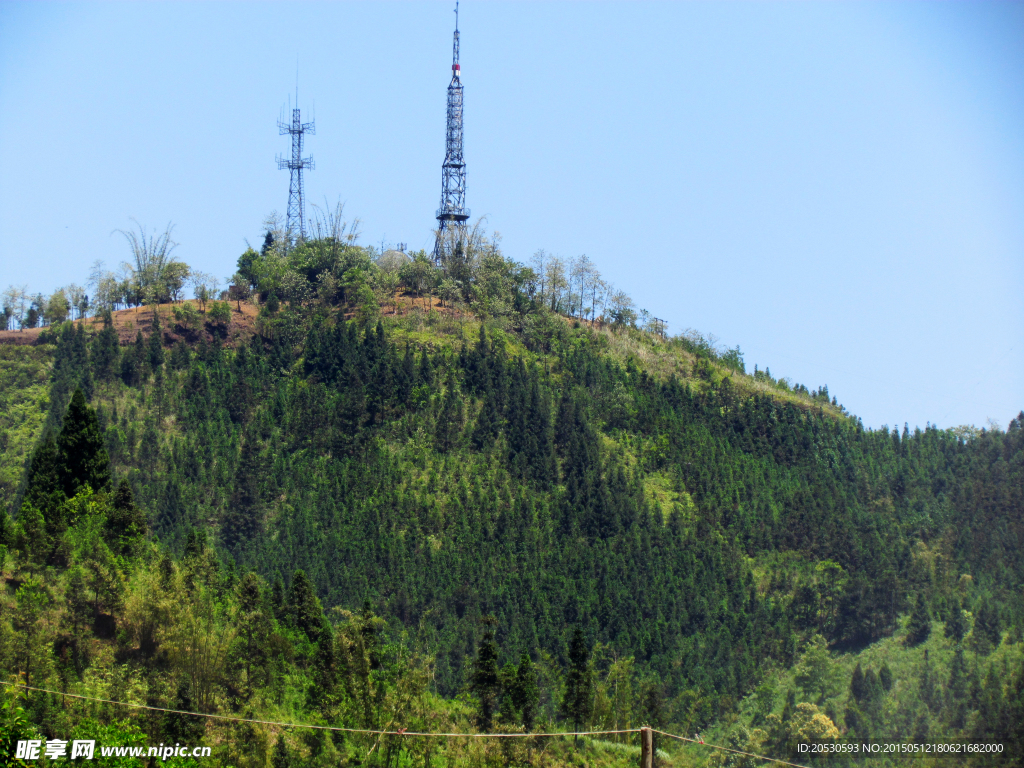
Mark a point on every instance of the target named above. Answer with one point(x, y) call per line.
point(477, 496)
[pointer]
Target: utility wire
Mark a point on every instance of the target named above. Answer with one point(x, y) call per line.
point(401, 732)
point(727, 749)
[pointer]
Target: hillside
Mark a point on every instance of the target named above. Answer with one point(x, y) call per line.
point(375, 508)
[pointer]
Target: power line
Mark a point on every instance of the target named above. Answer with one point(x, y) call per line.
point(400, 732)
point(727, 749)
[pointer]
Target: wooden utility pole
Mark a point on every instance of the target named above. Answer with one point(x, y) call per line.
point(646, 747)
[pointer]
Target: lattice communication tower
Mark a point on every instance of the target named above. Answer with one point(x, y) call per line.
point(453, 213)
point(296, 224)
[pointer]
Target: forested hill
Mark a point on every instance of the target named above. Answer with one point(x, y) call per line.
point(508, 470)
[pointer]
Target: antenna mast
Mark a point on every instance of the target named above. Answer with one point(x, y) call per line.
point(453, 213)
point(296, 222)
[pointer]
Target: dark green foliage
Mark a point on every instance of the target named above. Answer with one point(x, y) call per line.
point(44, 487)
point(186, 729)
point(956, 625)
point(71, 369)
point(281, 757)
point(241, 521)
point(126, 522)
point(577, 699)
point(920, 626)
point(535, 477)
point(484, 683)
point(106, 351)
point(987, 628)
point(180, 356)
point(304, 609)
point(253, 652)
point(81, 453)
point(133, 362)
point(885, 677)
point(857, 688)
point(450, 420)
point(525, 693)
point(154, 345)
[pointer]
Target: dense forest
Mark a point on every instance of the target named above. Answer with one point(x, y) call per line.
point(479, 496)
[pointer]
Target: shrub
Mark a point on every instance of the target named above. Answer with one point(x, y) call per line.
point(219, 313)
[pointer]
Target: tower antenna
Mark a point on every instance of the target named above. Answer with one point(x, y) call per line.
point(295, 231)
point(453, 213)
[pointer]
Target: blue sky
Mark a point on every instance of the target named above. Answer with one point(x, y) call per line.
point(838, 188)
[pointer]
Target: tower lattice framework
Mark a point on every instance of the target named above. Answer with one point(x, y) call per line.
point(296, 221)
point(453, 213)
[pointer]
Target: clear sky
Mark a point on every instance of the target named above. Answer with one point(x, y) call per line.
point(838, 188)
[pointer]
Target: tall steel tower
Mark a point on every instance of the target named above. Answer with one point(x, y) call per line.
point(296, 223)
point(452, 215)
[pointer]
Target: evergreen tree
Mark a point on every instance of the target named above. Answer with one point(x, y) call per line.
point(126, 522)
point(450, 420)
point(304, 608)
point(987, 628)
point(956, 690)
point(82, 455)
point(44, 488)
point(525, 692)
point(920, 623)
point(106, 350)
point(282, 756)
point(577, 701)
point(885, 677)
point(484, 682)
point(957, 626)
point(242, 521)
point(253, 649)
point(187, 729)
point(141, 355)
point(857, 689)
point(155, 347)
point(180, 356)
point(929, 694)
point(351, 415)
point(131, 363)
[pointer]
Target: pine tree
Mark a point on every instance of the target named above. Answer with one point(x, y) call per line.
point(44, 489)
point(920, 623)
point(80, 450)
point(141, 355)
point(125, 521)
point(885, 677)
point(281, 757)
point(857, 689)
point(525, 693)
point(305, 611)
point(155, 347)
point(186, 729)
point(987, 629)
point(956, 625)
point(488, 424)
point(180, 356)
point(242, 521)
point(253, 651)
point(956, 690)
point(106, 350)
point(450, 420)
point(351, 415)
point(131, 363)
point(577, 701)
point(484, 681)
